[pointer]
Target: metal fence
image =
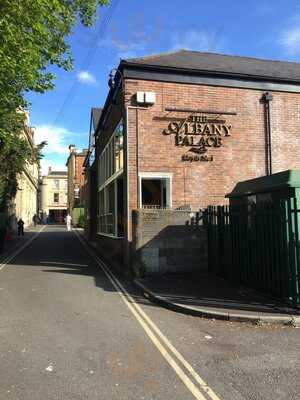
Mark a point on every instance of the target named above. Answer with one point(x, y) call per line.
point(257, 245)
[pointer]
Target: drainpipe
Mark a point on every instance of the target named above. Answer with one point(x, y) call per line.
point(266, 99)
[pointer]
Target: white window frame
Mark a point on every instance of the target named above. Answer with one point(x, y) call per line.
point(168, 176)
point(104, 188)
point(107, 174)
point(107, 160)
point(55, 187)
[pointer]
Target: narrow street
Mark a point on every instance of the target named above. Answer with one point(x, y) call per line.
point(68, 332)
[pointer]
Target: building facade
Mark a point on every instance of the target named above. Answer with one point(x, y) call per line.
point(54, 188)
point(25, 203)
point(76, 180)
point(90, 177)
point(179, 130)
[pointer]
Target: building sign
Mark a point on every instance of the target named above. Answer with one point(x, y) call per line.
point(199, 133)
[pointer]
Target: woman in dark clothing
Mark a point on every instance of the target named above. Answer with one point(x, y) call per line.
point(20, 227)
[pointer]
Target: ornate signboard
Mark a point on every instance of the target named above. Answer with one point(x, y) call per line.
point(199, 133)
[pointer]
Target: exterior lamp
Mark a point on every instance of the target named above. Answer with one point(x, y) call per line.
point(111, 81)
point(112, 77)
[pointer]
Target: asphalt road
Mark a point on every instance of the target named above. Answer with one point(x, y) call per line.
point(67, 332)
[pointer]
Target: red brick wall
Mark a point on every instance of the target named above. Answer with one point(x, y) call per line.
point(79, 176)
point(242, 155)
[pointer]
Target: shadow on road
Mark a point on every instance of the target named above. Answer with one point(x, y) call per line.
point(56, 251)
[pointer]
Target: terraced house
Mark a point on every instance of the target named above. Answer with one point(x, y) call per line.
point(54, 196)
point(25, 203)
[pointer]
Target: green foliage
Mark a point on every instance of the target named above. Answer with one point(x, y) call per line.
point(15, 151)
point(80, 222)
point(33, 36)
point(78, 216)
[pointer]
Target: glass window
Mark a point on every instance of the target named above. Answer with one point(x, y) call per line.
point(111, 159)
point(55, 184)
point(76, 193)
point(155, 192)
point(119, 153)
point(107, 210)
point(56, 197)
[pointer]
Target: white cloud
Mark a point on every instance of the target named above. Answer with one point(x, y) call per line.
point(124, 49)
point(290, 39)
point(57, 138)
point(201, 40)
point(191, 39)
point(86, 77)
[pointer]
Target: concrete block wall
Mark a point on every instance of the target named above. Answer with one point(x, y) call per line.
point(166, 241)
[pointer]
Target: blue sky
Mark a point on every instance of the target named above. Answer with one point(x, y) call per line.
point(264, 29)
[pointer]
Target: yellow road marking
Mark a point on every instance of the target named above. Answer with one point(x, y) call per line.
point(15, 253)
point(143, 319)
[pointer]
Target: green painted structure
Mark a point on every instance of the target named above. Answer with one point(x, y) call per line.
point(279, 186)
point(256, 239)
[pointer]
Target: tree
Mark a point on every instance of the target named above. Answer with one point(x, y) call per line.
point(33, 36)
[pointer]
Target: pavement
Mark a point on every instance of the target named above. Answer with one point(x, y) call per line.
point(72, 330)
point(205, 295)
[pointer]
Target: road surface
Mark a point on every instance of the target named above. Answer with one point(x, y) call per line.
point(69, 330)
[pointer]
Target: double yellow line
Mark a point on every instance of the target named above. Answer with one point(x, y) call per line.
point(194, 383)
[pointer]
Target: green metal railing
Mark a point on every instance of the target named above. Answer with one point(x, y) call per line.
point(257, 245)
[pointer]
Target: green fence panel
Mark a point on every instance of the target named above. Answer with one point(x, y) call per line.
point(258, 246)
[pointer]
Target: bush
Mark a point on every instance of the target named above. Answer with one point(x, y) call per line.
point(80, 221)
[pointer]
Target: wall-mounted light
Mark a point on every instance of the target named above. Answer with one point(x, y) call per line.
point(111, 80)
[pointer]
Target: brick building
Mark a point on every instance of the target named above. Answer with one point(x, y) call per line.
point(179, 130)
point(76, 182)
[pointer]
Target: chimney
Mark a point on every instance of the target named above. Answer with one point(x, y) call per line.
point(72, 148)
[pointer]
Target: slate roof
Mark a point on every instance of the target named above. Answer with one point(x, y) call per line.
point(82, 153)
point(220, 64)
point(58, 173)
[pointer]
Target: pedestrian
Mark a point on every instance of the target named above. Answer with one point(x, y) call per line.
point(34, 219)
point(68, 221)
point(20, 227)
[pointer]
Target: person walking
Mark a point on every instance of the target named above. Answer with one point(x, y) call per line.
point(20, 227)
point(35, 219)
point(68, 221)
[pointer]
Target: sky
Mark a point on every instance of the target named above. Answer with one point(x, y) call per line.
point(134, 28)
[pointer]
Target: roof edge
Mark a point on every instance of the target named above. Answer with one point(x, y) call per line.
point(189, 71)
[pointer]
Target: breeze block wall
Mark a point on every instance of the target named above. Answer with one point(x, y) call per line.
point(168, 241)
